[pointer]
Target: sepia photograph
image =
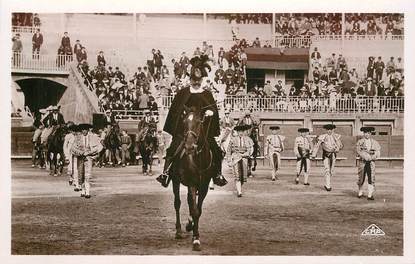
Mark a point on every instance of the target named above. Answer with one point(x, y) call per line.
point(215, 133)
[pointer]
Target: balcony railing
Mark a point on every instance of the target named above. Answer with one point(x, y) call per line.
point(306, 41)
point(24, 29)
point(380, 104)
point(40, 63)
point(129, 115)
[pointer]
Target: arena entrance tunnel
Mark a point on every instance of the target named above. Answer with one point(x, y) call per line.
point(40, 93)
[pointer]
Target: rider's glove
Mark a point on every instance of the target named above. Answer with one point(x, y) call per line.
point(209, 113)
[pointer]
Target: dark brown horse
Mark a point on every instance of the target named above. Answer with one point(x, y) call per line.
point(148, 146)
point(193, 168)
point(55, 156)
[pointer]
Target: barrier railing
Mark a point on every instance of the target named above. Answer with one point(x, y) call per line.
point(359, 104)
point(24, 29)
point(362, 104)
point(306, 41)
point(49, 63)
point(133, 115)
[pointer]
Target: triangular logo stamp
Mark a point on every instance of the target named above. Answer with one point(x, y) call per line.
point(373, 230)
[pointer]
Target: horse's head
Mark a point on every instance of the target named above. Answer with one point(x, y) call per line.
point(193, 124)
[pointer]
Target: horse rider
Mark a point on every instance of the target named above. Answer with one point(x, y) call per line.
point(38, 125)
point(240, 148)
point(331, 145)
point(53, 119)
point(67, 145)
point(85, 148)
point(368, 151)
point(202, 101)
point(302, 150)
point(247, 120)
point(251, 124)
point(109, 117)
point(274, 145)
point(144, 123)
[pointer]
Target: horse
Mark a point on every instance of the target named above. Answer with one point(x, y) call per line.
point(148, 146)
point(38, 154)
point(55, 156)
point(112, 143)
point(252, 163)
point(193, 167)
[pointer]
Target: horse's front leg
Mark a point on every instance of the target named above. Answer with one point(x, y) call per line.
point(150, 164)
point(195, 213)
point(177, 203)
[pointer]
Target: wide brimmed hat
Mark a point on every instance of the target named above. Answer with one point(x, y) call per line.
point(247, 112)
point(329, 126)
point(84, 126)
point(274, 127)
point(71, 126)
point(303, 130)
point(240, 128)
point(49, 108)
point(367, 129)
point(146, 111)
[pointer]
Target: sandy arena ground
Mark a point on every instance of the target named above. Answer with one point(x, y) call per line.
point(131, 214)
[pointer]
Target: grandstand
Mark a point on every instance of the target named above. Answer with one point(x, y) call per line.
point(259, 49)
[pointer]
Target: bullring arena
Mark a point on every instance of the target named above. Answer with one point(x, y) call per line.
point(291, 70)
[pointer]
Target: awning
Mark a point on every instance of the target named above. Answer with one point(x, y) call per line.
point(275, 65)
point(273, 58)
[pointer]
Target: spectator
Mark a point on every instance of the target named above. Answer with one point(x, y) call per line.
point(379, 66)
point(158, 62)
point(390, 66)
point(66, 41)
point(399, 65)
point(315, 58)
point(371, 67)
point(177, 70)
point(17, 50)
point(36, 20)
point(143, 101)
point(77, 48)
point(221, 56)
point(256, 43)
point(37, 41)
point(101, 59)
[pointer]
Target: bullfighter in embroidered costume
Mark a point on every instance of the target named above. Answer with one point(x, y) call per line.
point(331, 145)
point(274, 145)
point(368, 151)
point(302, 150)
point(239, 150)
point(85, 148)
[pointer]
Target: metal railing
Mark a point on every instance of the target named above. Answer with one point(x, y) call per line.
point(34, 62)
point(127, 115)
point(361, 104)
point(306, 41)
point(294, 104)
point(24, 29)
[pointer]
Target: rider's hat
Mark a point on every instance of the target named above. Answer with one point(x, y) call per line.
point(49, 108)
point(303, 130)
point(274, 127)
point(199, 66)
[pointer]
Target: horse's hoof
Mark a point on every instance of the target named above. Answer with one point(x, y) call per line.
point(196, 245)
point(189, 226)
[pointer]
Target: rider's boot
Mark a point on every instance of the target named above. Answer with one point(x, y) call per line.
point(218, 178)
point(164, 177)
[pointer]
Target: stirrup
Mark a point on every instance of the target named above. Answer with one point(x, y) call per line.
point(163, 179)
point(219, 180)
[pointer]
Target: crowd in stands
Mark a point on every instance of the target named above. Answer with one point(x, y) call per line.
point(335, 76)
point(251, 18)
point(374, 24)
point(25, 20)
point(308, 24)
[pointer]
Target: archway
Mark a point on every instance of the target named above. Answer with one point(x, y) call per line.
point(40, 93)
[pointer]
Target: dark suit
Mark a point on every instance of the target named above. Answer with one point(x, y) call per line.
point(66, 41)
point(50, 120)
point(37, 41)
